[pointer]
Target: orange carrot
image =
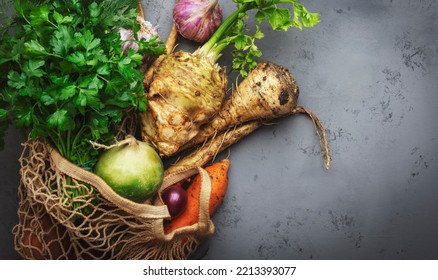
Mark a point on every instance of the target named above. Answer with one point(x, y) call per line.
point(218, 173)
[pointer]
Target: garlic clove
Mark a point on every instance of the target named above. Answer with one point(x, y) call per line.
point(197, 20)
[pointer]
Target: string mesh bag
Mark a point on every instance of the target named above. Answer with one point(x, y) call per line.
point(66, 212)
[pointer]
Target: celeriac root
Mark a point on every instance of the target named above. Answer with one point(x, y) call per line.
point(185, 93)
point(170, 46)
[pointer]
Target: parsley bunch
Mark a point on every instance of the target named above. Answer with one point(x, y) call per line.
point(64, 75)
point(5, 22)
point(233, 29)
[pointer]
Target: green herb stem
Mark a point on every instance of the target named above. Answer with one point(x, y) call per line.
point(233, 30)
point(211, 48)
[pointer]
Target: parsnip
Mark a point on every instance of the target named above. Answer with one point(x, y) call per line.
point(210, 149)
point(268, 92)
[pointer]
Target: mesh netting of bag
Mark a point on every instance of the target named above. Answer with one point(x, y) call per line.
point(60, 217)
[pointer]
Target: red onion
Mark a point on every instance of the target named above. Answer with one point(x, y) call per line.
point(175, 198)
point(197, 20)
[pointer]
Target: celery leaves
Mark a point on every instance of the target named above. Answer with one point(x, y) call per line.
point(234, 31)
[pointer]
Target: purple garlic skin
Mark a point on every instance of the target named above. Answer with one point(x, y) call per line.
point(197, 20)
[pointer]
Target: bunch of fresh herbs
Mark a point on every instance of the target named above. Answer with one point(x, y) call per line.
point(5, 22)
point(63, 74)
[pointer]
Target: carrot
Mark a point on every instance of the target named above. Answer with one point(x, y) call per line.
point(218, 173)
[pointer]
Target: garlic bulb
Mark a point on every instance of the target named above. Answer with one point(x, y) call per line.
point(147, 31)
point(197, 20)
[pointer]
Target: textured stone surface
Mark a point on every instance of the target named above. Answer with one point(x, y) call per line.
point(369, 71)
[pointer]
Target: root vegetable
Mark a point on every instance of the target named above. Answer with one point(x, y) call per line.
point(133, 169)
point(268, 92)
point(175, 198)
point(207, 152)
point(186, 90)
point(218, 173)
point(42, 239)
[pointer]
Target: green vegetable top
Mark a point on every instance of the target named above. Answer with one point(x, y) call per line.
point(5, 22)
point(63, 73)
point(233, 29)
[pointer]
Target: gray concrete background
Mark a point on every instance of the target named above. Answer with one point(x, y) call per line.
point(369, 71)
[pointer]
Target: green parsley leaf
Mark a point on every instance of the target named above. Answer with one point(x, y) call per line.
point(94, 10)
point(103, 70)
point(67, 92)
point(23, 118)
point(58, 80)
point(78, 58)
point(87, 40)
point(260, 16)
point(17, 80)
point(39, 15)
point(47, 99)
point(34, 47)
point(308, 19)
point(95, 83)
point(60, 120)
point(31, 68)
point(63, 40)
point(88, 97)
point(258, 34)
point(61, 19)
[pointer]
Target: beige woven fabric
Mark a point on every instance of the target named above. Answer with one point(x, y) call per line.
point(97, 223)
